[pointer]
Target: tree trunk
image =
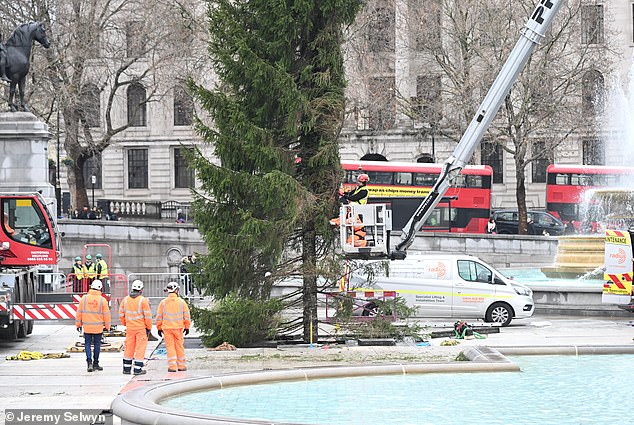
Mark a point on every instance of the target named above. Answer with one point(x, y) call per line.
point(520, 196)
point(78, 191)
point(309, 255)
point(76, 183)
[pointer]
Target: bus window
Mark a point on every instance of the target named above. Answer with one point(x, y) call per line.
point(403, 178)
point(467, 180)
point(562, 179)
point(421, 179)
point(380, 177)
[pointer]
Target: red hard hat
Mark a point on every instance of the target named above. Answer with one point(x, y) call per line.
point(363, 178)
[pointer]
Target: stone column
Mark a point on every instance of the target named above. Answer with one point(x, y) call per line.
point(24, 155)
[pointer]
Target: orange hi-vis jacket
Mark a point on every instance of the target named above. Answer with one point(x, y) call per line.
point(173, 313)
point(135, 313)
point(93, 313)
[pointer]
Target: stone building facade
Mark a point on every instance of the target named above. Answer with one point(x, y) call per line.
point(146, 162)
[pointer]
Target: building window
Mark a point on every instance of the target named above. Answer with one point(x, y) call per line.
point(593, 94)
point(183, 107)
point(183, 175)
point(137, 105)
point(137, 169)
point(593, 152)
point(542, 161)
point(90, 105)
point(491, 154)
point(592, 24)
point(92, 167)
point(381, 32)
point(428, 99)
point(428, 34)
point(425, 158)
point(382, 109)
point(135, 39)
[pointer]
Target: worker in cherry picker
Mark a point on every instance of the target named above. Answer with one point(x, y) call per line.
point(359, 196)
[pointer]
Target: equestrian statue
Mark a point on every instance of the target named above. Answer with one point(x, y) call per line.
point(15, 57)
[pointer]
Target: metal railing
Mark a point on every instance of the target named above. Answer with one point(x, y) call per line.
point(155, 283)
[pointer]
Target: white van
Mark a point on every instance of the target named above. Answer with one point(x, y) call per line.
point(446, 285)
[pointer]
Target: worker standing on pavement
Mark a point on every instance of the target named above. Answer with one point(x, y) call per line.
point(78, 278)
point(90, 270)
point(93, 315)
point(101, 267)
point(135, 314)
point(172, 321)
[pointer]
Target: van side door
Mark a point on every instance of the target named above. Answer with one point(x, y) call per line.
point(473, 290)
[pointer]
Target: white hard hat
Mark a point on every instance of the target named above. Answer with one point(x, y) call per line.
point(171, 287)
point(137, 285)
point(96, 284)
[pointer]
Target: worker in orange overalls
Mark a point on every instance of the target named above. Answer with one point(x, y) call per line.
point(135, 314)
point(172, 321)
point(93, 314)
point(358, 195)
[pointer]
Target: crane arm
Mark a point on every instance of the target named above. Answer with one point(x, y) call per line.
point(531, 35)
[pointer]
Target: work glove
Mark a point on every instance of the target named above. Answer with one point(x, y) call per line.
point(186, 331)
point(79, 329)
point(160, 332)
point(147, 332)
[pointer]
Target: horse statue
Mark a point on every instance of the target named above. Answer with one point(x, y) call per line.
point(18, 54)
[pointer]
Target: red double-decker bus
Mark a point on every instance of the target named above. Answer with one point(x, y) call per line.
point(566, 187)
point(465, 208)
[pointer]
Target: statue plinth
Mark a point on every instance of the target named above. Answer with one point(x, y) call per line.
point(24, 154)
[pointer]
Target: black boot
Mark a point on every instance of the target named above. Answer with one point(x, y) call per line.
point(89, 363)
point(96, 366)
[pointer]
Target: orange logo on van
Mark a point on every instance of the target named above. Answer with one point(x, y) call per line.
point(619, 256)
point(440, 269)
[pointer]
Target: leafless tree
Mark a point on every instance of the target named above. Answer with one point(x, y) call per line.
point(455, 48)
point(99, 50)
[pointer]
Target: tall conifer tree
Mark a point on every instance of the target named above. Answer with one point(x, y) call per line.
point(275, 115)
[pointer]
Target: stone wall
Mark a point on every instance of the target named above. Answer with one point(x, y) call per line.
point(139, 247)
point(154, 247)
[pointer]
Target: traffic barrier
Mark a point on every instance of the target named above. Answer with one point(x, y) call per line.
point(155, 283)
point(45, 311)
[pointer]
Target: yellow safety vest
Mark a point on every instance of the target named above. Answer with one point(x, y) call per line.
point(363, 200)
point(102, 269)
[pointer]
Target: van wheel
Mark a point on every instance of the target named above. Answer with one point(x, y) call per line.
point(370, 310)
point(501, 313)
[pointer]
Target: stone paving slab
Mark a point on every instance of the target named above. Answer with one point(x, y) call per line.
point(64, 383)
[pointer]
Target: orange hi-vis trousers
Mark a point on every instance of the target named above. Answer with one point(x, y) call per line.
point(175, 347)
point(135, 345)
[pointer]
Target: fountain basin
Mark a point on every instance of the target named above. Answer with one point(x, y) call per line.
point(576, 256)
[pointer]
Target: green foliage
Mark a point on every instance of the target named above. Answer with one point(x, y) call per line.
point(381, 327)
point(279, 96)
point(238, 321)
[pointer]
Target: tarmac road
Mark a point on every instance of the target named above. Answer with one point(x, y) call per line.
point(65, 383)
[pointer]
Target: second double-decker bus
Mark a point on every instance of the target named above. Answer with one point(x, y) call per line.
point(465, 208)
point(567, 186)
